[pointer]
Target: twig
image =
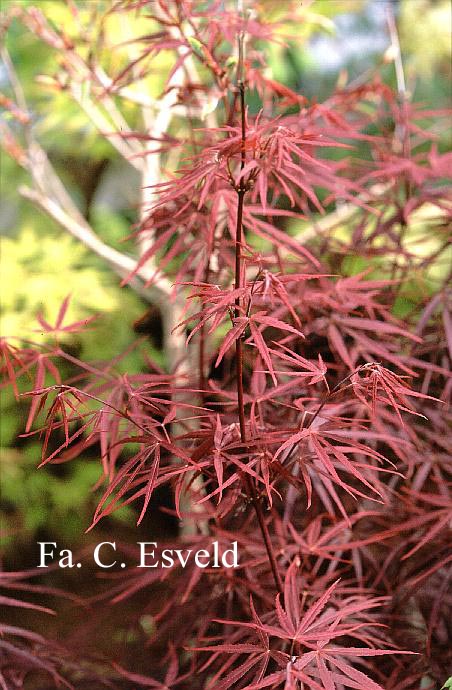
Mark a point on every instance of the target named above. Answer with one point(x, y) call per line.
point(121, 263)
point(343, 213)
point(241, 189)
point(395, 44)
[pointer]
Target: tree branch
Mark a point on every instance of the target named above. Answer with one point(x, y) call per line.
point(122, 264)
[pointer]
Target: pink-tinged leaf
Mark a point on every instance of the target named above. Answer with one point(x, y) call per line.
point(47, 328)
point(440, 524)
point(325, 674)
point(316, 372)
point(378, 327)
point(314, 611)
point(62, 311)
point(144, 681)
point(126, 476)
point(236, 648)
point(265, 471)
point(51, 368)
point(38, 384)
point(274, 680)
point(151, 482)
point(218, 465)
point(34, 662)
point(292, 593)
point(447, 321)
point(10, 355)
point(74, 327)
point(292, 441)
point(307, 681)
point(218, 435)
point(428, 312)
point(20, 632)
point(270, 232)
point(48, 458)
point(236, 331)
point(308, 485)
point(339, 345)
point(363, 651)
point(19, 603)
point(291, 680)
point(236, 674)
point(262, 636)
point(263, 350)
point(276, 323)
point(171, 415)
point(77, 326)
point(366, 683)
point(228, 482)
point(62, 409)
point(274, 284)
point(284, 620)
point(173, 668)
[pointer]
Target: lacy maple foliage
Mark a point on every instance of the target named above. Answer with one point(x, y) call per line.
point(310, 422)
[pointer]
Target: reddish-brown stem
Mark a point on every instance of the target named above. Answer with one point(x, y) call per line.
point(202, 347)
point(202, 365)
point(326, 398)
point(247, 481)
point(241, 190)
point(238, 247)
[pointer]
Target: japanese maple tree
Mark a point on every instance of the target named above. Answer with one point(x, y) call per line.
point(299, 414)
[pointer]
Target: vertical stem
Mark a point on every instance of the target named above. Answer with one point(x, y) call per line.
point(401, 134)
point(241, 191)
point(248, 482)
point(238, 263)
point(202, 383)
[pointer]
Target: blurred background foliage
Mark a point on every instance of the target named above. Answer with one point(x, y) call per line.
point(41, 265)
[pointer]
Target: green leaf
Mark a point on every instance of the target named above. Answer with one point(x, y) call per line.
point(196, 46)
point(231, 61)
